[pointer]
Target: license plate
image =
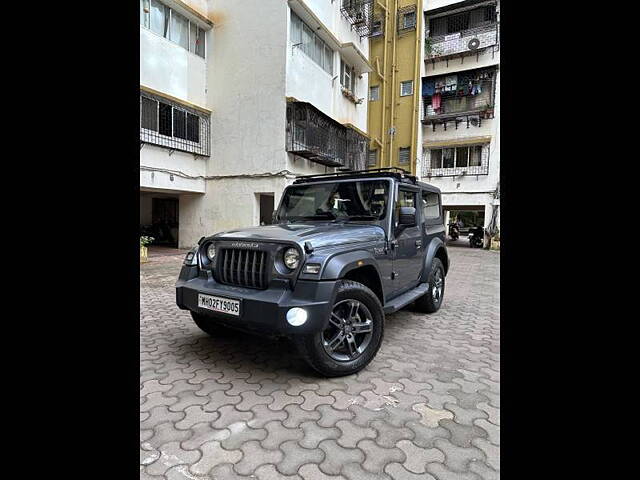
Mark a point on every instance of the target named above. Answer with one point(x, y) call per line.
point(219, 304)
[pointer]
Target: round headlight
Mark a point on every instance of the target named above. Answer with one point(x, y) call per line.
point(291, 258)
point(211, 251)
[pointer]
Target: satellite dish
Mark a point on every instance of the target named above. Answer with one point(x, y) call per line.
point(473, 44)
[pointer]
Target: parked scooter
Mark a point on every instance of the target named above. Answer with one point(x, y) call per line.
point(476, 236)
point(454, 231)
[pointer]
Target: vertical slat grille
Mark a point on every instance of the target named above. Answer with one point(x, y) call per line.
point(245, 268)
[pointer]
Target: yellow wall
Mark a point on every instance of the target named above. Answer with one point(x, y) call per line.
point(392, 110)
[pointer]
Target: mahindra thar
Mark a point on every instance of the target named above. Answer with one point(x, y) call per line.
point(345, 249)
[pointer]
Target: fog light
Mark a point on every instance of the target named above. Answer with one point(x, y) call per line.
point(297, 316)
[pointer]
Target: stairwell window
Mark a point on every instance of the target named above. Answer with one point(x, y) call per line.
point(372, 158)
point(406, 88)
point(374, 93)
point(404, 155)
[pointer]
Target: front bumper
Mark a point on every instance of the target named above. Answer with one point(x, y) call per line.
point(262, 311)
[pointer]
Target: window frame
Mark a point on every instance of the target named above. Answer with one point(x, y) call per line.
point(377, 90)
point(168, 14)
point(401, 88)
point(428, 220)
point(309, 48)
point(404, 149)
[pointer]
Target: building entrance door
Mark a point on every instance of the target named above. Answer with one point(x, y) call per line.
point(164, 217)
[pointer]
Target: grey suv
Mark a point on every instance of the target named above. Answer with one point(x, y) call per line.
point(344, 250)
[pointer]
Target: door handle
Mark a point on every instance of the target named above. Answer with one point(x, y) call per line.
point(394, 244)
point(418, 243)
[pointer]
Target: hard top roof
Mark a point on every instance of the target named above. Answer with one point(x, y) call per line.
point(397, 173)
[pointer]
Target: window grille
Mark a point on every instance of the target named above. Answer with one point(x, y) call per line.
point(407, 19)
point(456, 161)
point(404, 155)
point(171, 125)
point(359, 13)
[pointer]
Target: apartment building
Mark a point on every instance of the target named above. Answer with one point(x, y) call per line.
point(460, 106)
point(236, 99)
point(394, 85)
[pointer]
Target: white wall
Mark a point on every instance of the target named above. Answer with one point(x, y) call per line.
point(308, 82)
point(169, 68)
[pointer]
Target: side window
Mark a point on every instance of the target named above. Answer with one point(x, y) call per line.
point(430, 206)
point(406, 198)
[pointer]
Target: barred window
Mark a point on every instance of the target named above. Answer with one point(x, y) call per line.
point(372, 158)
point(168, 124)
point(404, 155)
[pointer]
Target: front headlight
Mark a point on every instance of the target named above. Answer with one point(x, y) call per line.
point(291, 258)
point(211, 251)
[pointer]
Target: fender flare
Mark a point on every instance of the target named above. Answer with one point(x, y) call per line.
point(339, 265)
point(435, 245)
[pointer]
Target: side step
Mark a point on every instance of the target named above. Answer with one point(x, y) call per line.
point(406, 298)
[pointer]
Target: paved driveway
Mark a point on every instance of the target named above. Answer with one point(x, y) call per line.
point(427, 407)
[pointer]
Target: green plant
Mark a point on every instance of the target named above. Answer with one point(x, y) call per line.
point(144, 241)
point(430, 49)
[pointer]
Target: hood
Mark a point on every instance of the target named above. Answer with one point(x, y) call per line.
point(319, 234)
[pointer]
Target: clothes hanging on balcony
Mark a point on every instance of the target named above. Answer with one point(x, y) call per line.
point(436, 102)
point(428, 88)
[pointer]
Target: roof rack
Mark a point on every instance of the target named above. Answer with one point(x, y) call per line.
point(392, 171)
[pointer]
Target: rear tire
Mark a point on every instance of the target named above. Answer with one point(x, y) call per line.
point(352, 337)
point(210, 326)
point(431, 301)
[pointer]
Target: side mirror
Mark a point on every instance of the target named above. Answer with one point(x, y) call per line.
point(407, 216)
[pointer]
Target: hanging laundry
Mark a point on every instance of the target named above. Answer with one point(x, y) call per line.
point(435, 102)
point(428, 88)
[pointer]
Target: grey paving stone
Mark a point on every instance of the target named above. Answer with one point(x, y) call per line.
point(377, 457)
point(351, 434)
point(397, 472)
point(240, 433)
point(212, 455)
point(295, 456)
point(262, 414)
point(296, 415)
point(314, 434)
point(492, 452)
point(336, 456)
point(329, 416)
point(269, 472)
point(458, 458)
point(461, 435)
point(254, 455)
point(441, 472)
point(389, 435)
point(278, 433)
point(354, 471)
point(417, 458)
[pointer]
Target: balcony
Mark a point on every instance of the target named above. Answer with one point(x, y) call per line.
point(173, 125)
point(456, 160)
point(461, 32)
point(359, 13)
point(317, 137)
point(465, 97)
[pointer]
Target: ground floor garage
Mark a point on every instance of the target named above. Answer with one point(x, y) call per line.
point(472, 210)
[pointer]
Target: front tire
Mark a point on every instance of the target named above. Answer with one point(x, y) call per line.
point(210, 326)
point(352, 336)
point(431, 301)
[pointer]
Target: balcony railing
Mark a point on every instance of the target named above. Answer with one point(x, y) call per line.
point(174, 126)
point(465, 96)
point(315, 136)
point(359, 13)
point(465, 42)
point(460, 162)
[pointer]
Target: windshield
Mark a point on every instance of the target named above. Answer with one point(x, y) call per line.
point(361, 200)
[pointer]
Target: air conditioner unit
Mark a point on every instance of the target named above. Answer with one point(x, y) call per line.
point(473, 44)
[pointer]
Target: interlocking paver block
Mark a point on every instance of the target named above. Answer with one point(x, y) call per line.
point(171, 455)
point(458, 458)
point(240, 433)
point(295, 456)
point(255, 455)
point(336, 456)
point(398, 472)
point(278, 433)
point(351, 434)
point(430, 416)
point(492, 452)
point(213, 454)
point(314, 434)
point(417, 458)
point(296, 415)
point(200, 393)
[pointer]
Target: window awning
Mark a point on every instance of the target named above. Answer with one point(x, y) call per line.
point(457, 142)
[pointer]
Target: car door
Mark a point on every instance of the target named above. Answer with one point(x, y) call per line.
point(408, 252)
point(432, 218)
